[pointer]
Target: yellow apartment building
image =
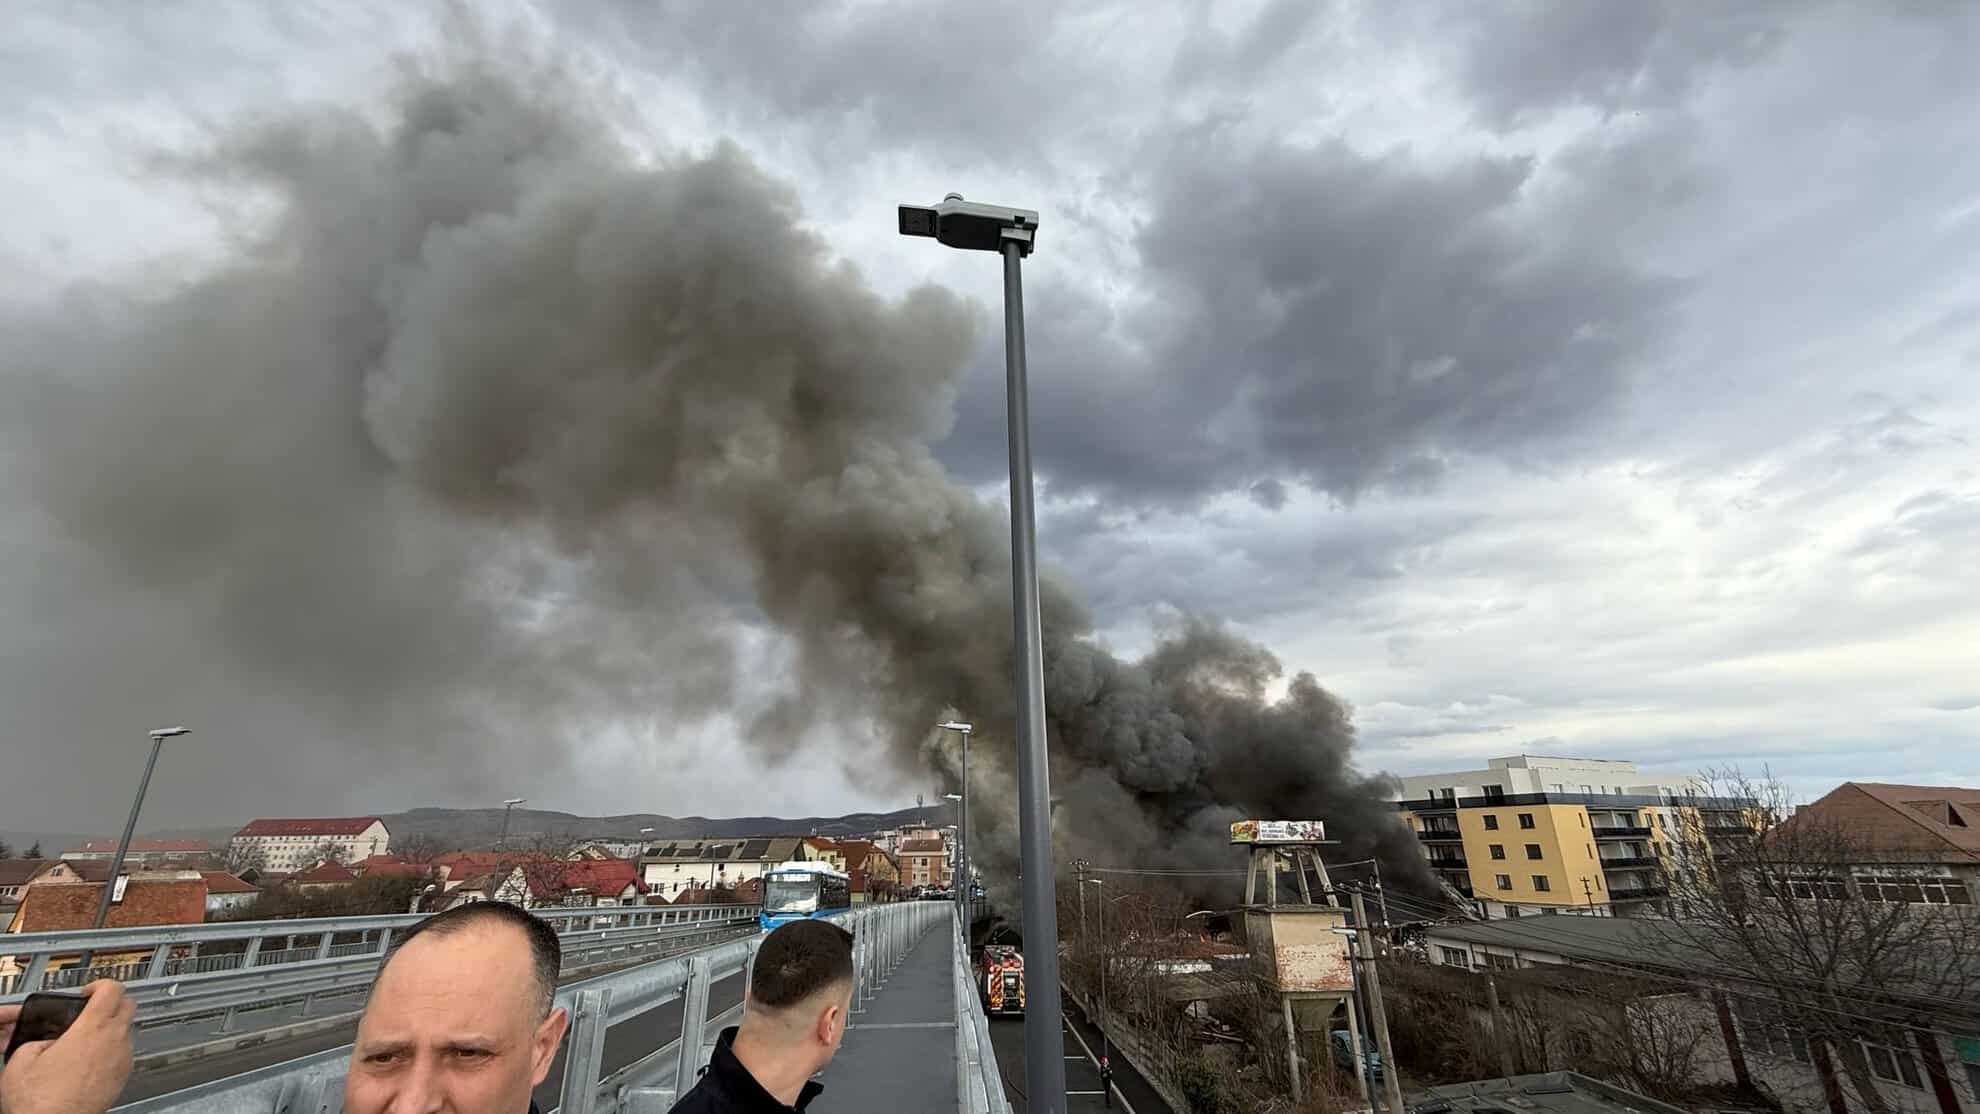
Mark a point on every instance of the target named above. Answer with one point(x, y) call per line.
point(1531, 834)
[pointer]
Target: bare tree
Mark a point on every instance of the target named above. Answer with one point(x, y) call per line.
point(1837, 938)
point(242, 857)
point(34, 850)
point(547, 866)
point(330, 851)
point(419, 847)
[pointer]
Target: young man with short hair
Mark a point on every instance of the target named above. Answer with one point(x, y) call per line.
point(794, 1018)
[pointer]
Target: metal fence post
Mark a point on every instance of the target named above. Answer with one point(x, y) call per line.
point(585, 1052)
point(694, 1021)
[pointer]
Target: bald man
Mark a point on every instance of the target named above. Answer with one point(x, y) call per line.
point(462, 1018)
point(794, 1016)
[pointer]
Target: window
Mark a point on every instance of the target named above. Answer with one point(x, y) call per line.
point(1511, 911)
point(1587, 788)
point(1556, 787)
point(1581, 820)
point(1498, 850)
point(1491, 823)
point(1526, 821)
point(1591, 850)
point(1504, 882)
point(1452, 957)
point(1495, 794)
point(1890, 1057)
point(1500, 962)
point(1533, 851)
point(1540, 883)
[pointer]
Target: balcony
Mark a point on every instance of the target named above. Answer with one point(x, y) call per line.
point(1455, 862)
point(1637, 893)
point(1431, 835)
point(1619, 833)
point(1629, 863)
point(1723, 831)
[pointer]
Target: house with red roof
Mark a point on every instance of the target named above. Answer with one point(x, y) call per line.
point(227, 894)
point(296, 844)
point(163, 898)
point(325, 875)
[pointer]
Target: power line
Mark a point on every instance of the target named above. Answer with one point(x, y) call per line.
point(1678, 980)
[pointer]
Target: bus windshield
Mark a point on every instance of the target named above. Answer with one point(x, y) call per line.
point(791, 894)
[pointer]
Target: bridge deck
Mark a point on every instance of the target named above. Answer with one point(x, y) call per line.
point(900, 1051)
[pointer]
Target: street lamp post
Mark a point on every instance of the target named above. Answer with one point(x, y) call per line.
point(962, 730)
point(1106, 1050)
point(972, 226)
point(158, 738)
point(508, 807)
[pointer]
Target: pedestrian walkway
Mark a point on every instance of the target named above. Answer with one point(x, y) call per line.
point(900, 1050)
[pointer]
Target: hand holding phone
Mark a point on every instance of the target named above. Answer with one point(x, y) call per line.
point(43, 1017)
point(79, 1072)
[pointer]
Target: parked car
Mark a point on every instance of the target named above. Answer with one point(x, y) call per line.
point(1343, 1046)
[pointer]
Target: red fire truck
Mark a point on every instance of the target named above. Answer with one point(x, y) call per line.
point(1003, 979)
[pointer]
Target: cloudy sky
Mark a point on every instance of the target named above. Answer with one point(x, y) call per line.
point(1568, 379)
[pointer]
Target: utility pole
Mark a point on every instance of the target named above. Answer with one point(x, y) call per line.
point(1382, 899)
point(1391, 1085)
point(1587, 892)
point(1498, 1028)
point(1357, 1019)
point(1079, 869)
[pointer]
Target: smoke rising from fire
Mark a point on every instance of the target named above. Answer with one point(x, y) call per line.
point(488, 418)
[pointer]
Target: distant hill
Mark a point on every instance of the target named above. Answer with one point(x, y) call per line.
point(470, 827)
point(481, 827)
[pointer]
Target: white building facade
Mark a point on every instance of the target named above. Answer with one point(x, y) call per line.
point(292, 845)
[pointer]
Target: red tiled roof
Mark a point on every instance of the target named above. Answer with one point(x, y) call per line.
point(325, 872)
point(1893, 821)
point(599, 876)
point(221, 882)
point(395, 870)
point(17, 872)
point(59, 907)
point(326, 826)
point(89, 870)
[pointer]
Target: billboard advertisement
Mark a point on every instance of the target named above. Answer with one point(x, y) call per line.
point(1278, 831)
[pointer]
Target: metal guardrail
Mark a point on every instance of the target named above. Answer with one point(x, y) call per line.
point(882, 936)
point(172, 984)
point(979, 1085)
point(171, 951)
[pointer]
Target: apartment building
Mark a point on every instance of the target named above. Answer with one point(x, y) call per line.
point(292, 845)
point(1534, 834)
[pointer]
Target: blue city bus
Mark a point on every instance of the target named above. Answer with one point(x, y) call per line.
point(794, 891)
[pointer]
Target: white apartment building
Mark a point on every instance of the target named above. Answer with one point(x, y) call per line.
point(677, 865)
point(1533, 773)
point(291, 845)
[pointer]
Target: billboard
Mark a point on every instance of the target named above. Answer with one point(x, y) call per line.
point(1278, 831)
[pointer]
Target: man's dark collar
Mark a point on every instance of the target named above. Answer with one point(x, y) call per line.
point(733, 1077)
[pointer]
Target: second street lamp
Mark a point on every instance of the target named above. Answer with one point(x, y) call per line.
point(962, 731)
point(508, 807)
point(973, 226)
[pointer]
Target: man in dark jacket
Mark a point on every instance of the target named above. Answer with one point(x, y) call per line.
point(794, 1016)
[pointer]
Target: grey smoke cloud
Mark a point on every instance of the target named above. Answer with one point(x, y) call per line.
point(487, 429)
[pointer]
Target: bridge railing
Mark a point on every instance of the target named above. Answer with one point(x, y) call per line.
point(172, 981)
point(648, 1085)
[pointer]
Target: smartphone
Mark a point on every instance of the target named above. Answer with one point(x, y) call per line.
point(45, 1017)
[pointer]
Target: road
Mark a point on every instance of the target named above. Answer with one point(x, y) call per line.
point(1082, 1068)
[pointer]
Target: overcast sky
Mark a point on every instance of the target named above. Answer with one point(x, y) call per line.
point(1564, 379)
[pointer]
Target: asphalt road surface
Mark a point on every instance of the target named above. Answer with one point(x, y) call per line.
point(1082, 1068)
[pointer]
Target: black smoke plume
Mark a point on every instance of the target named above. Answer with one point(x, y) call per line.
point(489, 428)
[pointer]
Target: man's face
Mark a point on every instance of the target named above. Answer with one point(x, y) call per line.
point(453, 1028)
